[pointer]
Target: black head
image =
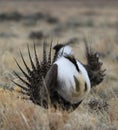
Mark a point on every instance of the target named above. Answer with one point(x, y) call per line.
point(58, 47)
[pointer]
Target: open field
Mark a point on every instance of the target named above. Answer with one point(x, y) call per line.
point(63, 22)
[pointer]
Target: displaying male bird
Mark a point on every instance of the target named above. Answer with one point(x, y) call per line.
point(65, 81)
point(71, 80)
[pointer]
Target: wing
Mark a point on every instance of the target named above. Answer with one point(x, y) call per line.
point(51, 77)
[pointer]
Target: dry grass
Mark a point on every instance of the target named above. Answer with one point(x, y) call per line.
point(99, 110)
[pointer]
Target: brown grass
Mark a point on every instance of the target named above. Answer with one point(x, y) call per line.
point(99, 26)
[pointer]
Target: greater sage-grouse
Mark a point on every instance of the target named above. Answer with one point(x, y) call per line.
point(61, 81)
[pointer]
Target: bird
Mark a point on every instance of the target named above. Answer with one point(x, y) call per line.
point(63, 80)
point(71, 78)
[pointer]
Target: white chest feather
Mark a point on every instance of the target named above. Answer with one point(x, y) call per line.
point(66, 81)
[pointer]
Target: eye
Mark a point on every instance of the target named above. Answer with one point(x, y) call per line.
point(85, 87)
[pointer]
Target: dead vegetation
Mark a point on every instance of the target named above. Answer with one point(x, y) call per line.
point(99, 110)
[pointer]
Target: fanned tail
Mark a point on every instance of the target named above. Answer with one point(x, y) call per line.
point(34, 86)
point(94, 66)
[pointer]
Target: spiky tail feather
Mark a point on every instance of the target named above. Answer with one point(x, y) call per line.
point(94, 66)
point(34, 86)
